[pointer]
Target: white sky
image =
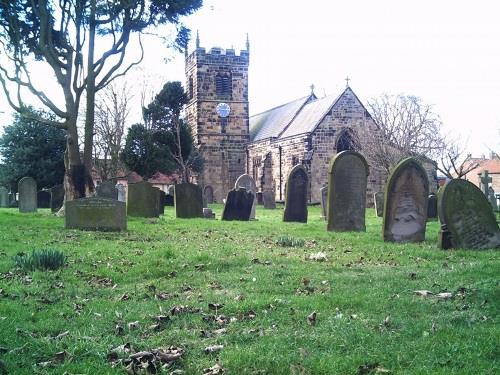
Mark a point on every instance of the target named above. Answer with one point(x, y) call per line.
point(447, 52)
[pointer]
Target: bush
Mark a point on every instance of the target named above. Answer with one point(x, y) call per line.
point(41, 260)
point(290, 242)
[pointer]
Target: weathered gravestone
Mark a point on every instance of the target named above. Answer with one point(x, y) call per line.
point(348, 177)
point(492, 199)
point(259, 198)
point(432, 206)
point(296, 195)
point(208, 195)
point(324, 202)
point(107, 189)
point(238, 205)
point(4, 197)
point(142, 200)
point(161, 202)
point(208, 214)
point(268, 199)
point(96, 213)
point(378, 199)
point(122, 193)
point(43, 199)
point(405, 210)
point(188, 201)
point(56, 197)
point(466, 215)
point(27, 194)
point(247, 182)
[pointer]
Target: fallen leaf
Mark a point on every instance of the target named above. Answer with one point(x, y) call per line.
point(318, 257)
point(444, 295)
point(215, 306)
point(423, 293)
point(311, 318)
point(125, 297)
point(213, 349)
point(133, 325)
point(214, 370)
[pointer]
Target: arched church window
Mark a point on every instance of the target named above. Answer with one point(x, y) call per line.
point(346, 141)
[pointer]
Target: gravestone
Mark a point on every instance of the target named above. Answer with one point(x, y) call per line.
point(467, 216)
point(268, 199)
point(188, 201)
point(296, 195)
point(161, 202)
point(95, 213)
point(432, 206)
point(107, 189)
point(238, 205)
point(247, 182)
point(492, 199)
point(405, 210)
point(169, 199)
point(142, 200)
point(348, 176)
point(43, 199)
point(56, 197)
point(122, 194)
point(27, 194)
point(485, 182)
point(378, 199)
point(259, 198)
point(208, 195)
point(4, 197)
point(324, 202)
point(208, 214)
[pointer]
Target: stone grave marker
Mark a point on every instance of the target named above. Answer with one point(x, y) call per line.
point(208, 214)
point(247, 182)
point(95, 213)
point(188, 201)
point(4, 197)
point(432, 206)
point(43, 199)
point(347, 181)
point(161, 202)
point(142, 200)
point(405, 210)
point(169, 199)
point(492, 199)
point(27, 194)
point(208, 195)
point(107, 189)
point(259, 198)
point(268, 199)
point(238, 205)
point(56, 197)
point(324, 202)
point(378, 199)
point(122, 193)
point(466, 215)
point(485, 182)
point(296, 195)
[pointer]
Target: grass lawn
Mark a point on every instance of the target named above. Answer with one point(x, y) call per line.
point(158, 285)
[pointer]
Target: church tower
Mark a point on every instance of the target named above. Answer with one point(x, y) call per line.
point(217, 112)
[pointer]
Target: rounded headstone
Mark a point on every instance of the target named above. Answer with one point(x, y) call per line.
point(27, 194)
point(296, 195)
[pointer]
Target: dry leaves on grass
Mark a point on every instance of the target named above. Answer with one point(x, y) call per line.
point(428, 293)
point(144, 362)
point(311, 318)
point(214, 370)
point(317, 257)
point(372, 368)
point(213, 349)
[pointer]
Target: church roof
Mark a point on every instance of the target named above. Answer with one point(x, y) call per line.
point(294, 118)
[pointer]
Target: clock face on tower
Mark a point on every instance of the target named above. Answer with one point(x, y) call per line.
point(223, 109)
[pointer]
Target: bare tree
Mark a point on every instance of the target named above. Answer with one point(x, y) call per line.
point(111, 113)
point(453, 163)
point(406, 127)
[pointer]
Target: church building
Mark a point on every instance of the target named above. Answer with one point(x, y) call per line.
point(307, 131)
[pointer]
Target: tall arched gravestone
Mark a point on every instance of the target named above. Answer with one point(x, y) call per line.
point(405, 207)
point(348, 175)
point(466, 215)
point(247, 182)
point(296, 195)
point(27, 194)
point(188, 201)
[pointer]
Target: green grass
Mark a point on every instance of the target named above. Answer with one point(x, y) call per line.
point(363, 294)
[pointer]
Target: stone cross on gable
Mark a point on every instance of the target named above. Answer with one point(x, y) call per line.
point(485, 181)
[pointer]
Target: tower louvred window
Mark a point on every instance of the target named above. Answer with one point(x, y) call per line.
point(223, 85)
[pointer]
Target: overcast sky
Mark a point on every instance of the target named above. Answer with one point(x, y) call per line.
point(447, 52)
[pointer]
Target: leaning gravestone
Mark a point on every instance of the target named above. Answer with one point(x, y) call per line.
point(100, 214)
point(238, 205)
point(432, 206)
point(107, 189)
point(27, 194)
point(296, 195)
point(142, 200)
point(268, 199)
point(43, 199)
point(122, 195)
point(324, 202)
point(4, 197)
point(348, 177)
point(467, 215)
point(188, 201)
point(56, 197)
point(405, 210)
point(378, 199)
point(247, 182)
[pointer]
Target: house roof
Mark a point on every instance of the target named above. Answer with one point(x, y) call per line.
point(162, 179)
point(490, 165)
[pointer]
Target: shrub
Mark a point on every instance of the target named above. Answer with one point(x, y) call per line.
point(290, 242)
point(41, 260)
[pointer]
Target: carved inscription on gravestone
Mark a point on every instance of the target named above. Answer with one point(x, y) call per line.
point(467, 215)
point(296, 195)
point(347, 192)
point(405, 211)
point(98, 214)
